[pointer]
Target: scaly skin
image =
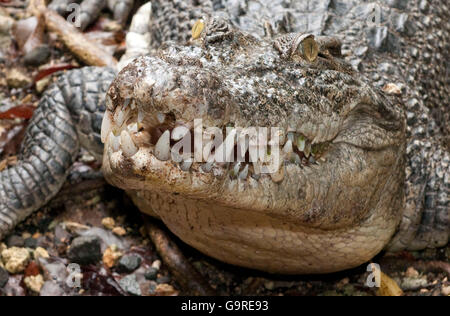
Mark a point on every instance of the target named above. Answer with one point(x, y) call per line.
point(326, 216)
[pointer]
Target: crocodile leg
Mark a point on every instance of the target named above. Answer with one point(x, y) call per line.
point(52, 142)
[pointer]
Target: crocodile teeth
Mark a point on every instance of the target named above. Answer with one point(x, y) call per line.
point(288, 148)
point(140, 117)
point(126, 142)
point(161, 117)
point(244, 173)
point(278, 176)
point(207, 167)
point(179, 132)
point(301, 142)
point(119, 117)
point(106, 126)
point(115, 142)
point(133, 128)
point(162, 148)
point(186, 165)
point(307, 150)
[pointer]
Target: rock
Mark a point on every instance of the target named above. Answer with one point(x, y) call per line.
point(119, 231)
point(53, 270)
point(130, 285)
point(41, 253)
point(111, 255)
point(4, 276)
point(15, 259)
point(151, 274)
point(6, 24)
point(51, 288)
point(166, 290)
point(392, 88)
point(85, 250)
point(129, 263)
point(156, 264)
point(386, 68)
point(361, 50)
point(17, 79)
point(42, 84)
point(37, 56)
point(411, 273)
point(15, 241)
point(30, 243)
point(412, 284)
point(445, 290)
point(34, 283)
point(109, 223)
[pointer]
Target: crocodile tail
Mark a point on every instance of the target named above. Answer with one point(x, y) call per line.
point(52, 142)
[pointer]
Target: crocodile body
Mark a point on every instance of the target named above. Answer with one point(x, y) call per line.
point(382, 182)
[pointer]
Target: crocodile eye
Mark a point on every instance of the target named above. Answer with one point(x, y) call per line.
point(307, 47)
point(197, 29)
point(298, 46)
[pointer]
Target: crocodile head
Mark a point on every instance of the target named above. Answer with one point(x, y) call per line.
point(335, 195)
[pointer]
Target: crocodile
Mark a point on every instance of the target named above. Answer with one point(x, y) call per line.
point(357, 89)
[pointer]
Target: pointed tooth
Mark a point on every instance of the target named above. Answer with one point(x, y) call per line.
point(288, 148)
point(126, 142)
point(133, 128)
point(307, 150)
point(179, 132)
point(162, 148)
point(186, 165)
point(301, 142)
point(278, 176)
point(106, 126)
point(291, 136)
point(235, 171)
point(109, 103)
point(207, 167)
point(115, 142)
point(126, 103)
point(161, 117)
point(244, 173)
point(119, 117)
point(140, 117)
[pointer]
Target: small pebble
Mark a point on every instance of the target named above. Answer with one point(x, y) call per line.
point(411, 273)
point(119, 231)
point(130, 285)
point(30, 243)
point(129, 263)
point(16, 79)
point(109, 223)
point(85, 250)
point(41, 253)
point(15, 241)
point(34, 283)
point(445, 290)
point(51, 288)
point(15, 259)
point(4, 276)
point(151, 274)
point(156, 264)
point(111, 255)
